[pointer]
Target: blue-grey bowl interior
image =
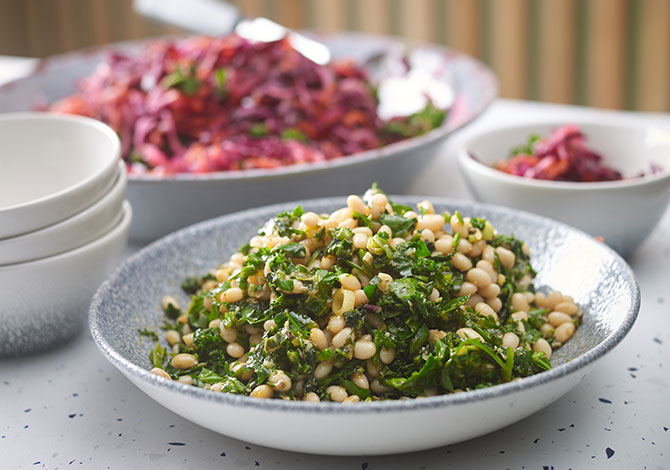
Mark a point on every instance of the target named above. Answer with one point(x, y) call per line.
point(566, 259)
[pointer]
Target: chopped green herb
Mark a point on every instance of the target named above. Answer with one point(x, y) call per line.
point(407, 320)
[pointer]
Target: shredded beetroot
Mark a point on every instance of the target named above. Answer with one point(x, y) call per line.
point(561, 156)
point(205, 104)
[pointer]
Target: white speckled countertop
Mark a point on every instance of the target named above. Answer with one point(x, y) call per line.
point(70, 408)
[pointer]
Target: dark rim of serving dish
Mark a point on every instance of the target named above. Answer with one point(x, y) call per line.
point(484, 76)
point(156, 248)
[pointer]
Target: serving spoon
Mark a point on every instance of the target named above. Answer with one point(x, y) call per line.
point(218, 18)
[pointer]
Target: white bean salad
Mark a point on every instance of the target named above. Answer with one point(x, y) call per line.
point(373, 301)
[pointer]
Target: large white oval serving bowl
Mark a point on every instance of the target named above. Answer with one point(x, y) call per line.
point(566, 259)
point(83, 227)
point(51, 167)
point(164, 204)
point(623, 212)
point(43, 302)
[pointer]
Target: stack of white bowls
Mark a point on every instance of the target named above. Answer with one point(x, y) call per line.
point(63, 224)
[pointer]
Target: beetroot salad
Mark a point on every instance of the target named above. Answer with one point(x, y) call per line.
point(205, 104)
point(561, 156)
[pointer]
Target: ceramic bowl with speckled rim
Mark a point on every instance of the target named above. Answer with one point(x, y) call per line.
point(566, 259)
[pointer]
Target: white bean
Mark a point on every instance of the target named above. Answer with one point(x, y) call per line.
point(469, 333)
point(317, 337)
point(564, 331)
point(262, 391)
point(364, 349)
point(341, 338)
point(322, 370)
point(541, 345)
point(356, 204)
point(336, 393)
point(386, 355)
point(510, 340)
point(566, 307)
point(161, 373)
point(184, 361)
point(478, 277)
point(558, 318)
point(349, 282)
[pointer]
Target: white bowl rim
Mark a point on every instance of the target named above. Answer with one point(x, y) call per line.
point(38, 236)
point(145, 376)
point(122, 223)
point(82, 120)
point(469, 160)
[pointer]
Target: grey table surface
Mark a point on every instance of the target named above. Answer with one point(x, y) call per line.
point(71, 408)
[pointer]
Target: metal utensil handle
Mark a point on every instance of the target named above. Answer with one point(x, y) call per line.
point(212, 17)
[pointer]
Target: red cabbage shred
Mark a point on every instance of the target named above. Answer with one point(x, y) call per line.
point(561, 156)
point(205, 104)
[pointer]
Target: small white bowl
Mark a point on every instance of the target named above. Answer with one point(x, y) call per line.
point(53, 166)
point(623, 212)
point(44, 302)
point(75, 231)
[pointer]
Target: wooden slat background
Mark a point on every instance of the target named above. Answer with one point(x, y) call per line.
point(604, 53)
